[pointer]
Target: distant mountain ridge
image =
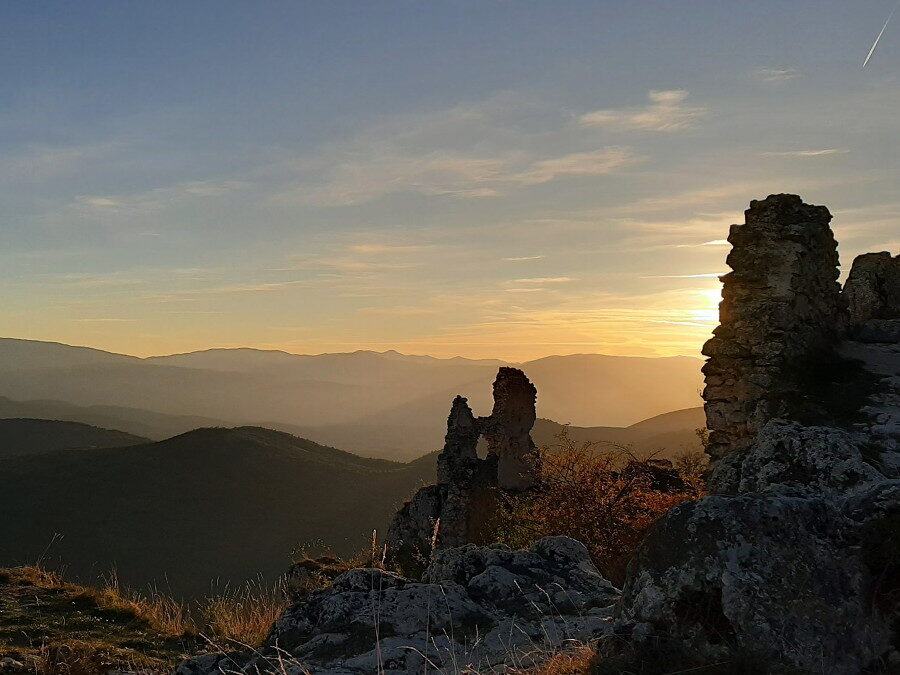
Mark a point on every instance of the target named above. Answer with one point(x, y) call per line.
point(150, 425)
point(380, 404)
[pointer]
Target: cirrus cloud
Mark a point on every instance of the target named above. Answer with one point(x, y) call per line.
point(666, 112)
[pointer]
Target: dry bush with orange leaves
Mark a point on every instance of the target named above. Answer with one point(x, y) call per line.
point(600, 494)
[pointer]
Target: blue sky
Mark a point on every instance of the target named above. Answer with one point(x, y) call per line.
point(492, 178)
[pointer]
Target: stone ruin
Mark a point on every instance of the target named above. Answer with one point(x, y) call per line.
point(793, 561)
point(781, 310)
point(790, 565)
point(458, 508)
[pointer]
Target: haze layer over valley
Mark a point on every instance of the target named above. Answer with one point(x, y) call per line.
point(386, 405)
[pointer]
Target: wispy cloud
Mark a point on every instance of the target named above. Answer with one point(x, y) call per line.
point(42, 161)
point(475, 151)
point(400, 311)
point(712, 242)
point(156, 198)
point(97, 202)
point(383, 171)
point(775, 75)
point(524, 258)
point(385, 249)
point(705, 275)
point(666, 112)
point(596, 163)
point(806, 153)
point(544, 280)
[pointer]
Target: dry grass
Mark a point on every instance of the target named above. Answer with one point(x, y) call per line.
point(32, 574)
point(164, 614)
point(573, 661)
point(59, 628)
point(315, 567)
point(244, 615)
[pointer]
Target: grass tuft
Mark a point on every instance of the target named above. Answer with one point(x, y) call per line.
point(244, 615)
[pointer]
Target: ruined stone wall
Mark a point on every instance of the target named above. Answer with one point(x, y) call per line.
point(781, 311)
point(461, 503)
point(508, 430)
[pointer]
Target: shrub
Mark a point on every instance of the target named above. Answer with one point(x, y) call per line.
point(600, 494)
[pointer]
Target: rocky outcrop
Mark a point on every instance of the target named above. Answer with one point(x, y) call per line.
point(476, 609)
point(780, 312)
point(873, 297)
point(873, 287)
point(795, 562)
point(508, 430)
point(457, 510)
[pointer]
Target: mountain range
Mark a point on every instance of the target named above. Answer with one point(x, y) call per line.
point(385, 404)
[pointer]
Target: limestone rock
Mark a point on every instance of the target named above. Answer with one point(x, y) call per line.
point(477, 607)
point(782, 577)
point(508, 430)
point(790, 459)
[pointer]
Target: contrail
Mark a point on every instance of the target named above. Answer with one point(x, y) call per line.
point(875, 44)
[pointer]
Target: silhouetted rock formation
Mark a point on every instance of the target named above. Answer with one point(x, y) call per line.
point(457, 509)
point(781, 312)
point(796, 559)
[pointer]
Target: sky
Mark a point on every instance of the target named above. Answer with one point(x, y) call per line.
point(485, 178)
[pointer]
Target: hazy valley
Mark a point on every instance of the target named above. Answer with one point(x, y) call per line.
point(384, 405)
point(186, 495)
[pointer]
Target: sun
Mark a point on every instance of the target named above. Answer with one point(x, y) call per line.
point(707, 310)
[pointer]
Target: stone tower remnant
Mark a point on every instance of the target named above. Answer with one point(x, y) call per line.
point(781, 312)
point(457, 509)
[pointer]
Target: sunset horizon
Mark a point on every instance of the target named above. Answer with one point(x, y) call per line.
point(166, 192)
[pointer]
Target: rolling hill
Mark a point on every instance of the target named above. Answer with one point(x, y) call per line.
point(665, 436)
point(20, 437)
point(146, 423)
point(213, 503)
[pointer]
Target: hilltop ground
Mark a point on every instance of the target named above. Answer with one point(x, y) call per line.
point(48, 626)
